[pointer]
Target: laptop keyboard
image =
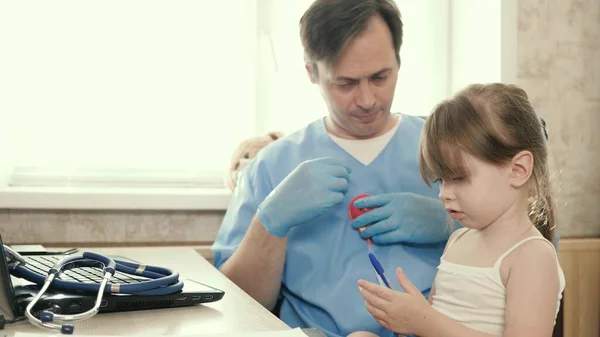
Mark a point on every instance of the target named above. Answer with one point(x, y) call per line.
point(42, 263)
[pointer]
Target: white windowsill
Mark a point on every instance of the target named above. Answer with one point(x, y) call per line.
point(96, 198)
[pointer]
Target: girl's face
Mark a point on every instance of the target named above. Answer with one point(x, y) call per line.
point(480, 197)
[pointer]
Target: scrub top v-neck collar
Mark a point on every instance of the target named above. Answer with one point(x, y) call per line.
point(365, 152)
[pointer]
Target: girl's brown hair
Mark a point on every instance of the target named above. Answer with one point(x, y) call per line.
point(492, 122)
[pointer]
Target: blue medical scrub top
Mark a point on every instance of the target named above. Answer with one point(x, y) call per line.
point(326, 256)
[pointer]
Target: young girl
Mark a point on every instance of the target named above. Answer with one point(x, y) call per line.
point(499, 274)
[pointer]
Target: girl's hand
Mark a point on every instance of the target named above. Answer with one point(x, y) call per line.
point(405, 312)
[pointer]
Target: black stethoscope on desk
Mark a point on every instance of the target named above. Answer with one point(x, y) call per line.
point(160, 281)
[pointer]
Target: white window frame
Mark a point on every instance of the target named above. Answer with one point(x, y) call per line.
point(97, 198)
point(217, 198)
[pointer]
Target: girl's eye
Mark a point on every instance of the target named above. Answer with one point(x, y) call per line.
point(438, 180)
point(458, 178)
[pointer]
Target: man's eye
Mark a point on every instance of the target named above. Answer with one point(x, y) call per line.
point(379, 78)
point(344, 85)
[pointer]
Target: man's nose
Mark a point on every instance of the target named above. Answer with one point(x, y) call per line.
point(365, 99)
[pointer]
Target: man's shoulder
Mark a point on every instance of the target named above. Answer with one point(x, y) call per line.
point(280, 157)
point(409, 132)
point(416, 122)
point(291, 144)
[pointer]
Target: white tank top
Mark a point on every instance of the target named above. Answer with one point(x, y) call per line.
point(475, 296)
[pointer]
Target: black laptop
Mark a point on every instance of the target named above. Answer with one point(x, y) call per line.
point(16, 293)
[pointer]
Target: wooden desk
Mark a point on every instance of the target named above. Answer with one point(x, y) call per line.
point(236, 312)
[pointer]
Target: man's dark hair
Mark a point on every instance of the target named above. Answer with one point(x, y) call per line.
point(328, 26)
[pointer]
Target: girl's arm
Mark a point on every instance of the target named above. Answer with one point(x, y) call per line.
point(531, 297)
point(532, 291)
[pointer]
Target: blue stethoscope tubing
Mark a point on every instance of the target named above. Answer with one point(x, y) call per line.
point(47, 318)
point(162, 281)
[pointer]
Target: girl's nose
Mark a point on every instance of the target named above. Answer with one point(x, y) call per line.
point(445, 192)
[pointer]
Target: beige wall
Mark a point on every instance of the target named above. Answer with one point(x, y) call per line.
point(109, 227)
point(559, 66)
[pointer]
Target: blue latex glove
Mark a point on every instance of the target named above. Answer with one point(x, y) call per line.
point(307, 192)
point(404, 218)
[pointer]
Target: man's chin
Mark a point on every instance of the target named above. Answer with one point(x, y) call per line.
point(356, 129)
point(375, 128)
point(371, 130)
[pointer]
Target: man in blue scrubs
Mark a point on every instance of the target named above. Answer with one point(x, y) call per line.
point(286, 238)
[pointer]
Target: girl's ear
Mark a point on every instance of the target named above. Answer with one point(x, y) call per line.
point(521, 168)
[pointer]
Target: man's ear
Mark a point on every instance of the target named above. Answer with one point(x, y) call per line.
point(521, 168)
point(311, 73)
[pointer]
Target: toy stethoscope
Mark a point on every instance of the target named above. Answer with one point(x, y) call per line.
point(160, 281)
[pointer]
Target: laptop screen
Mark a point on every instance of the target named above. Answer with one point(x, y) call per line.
point(8, 305)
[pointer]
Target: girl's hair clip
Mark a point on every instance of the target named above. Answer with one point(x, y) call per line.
point(544, 128)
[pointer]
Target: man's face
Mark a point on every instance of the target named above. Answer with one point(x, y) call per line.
point(359, 93)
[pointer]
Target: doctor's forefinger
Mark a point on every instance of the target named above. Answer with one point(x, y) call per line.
point(371, 217)
point(374, 201)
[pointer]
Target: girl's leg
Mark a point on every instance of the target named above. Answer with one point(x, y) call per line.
point(362, 334)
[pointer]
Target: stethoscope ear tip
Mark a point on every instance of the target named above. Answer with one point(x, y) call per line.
point(67, 329)
point(46, 316)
